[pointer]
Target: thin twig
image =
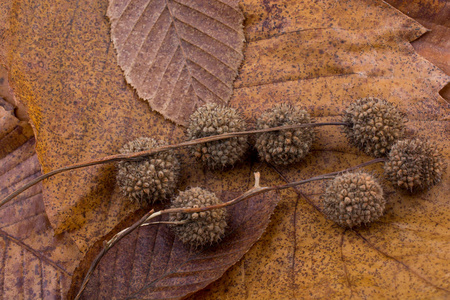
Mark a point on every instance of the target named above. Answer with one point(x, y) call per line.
point(166, 222)
point(138, 155)
point(255, 190)
point(362, 165)
point(359, 234)
point(108, 245)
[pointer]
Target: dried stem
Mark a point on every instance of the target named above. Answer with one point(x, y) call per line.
point(255, 190)
point(108, 245)
point(167, 222)
point(138, 155)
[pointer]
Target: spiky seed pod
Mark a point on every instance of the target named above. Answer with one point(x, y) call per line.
point(414, 165)
point(353, 199)
point(213, 119)
point(202, 228)
point(286, 146)
point(150, 179)
point(375, 125)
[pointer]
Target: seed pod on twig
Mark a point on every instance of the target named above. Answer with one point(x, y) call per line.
point(213, 119)
point(201, 228)
point(353, 199)
point(149, 179)
point(286, 146)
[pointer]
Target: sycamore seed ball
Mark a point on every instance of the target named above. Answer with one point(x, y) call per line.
point(414, 165)
point(149, 179)
point(375, 125)
point(286, 146)
point(202, 228)
point(213, 119)
point(354, 199)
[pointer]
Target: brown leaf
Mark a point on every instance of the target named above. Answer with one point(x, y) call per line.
point(302, 254)
point(34, 264)
point(433, 45)
point(65, 72)
point(178, 55)
point(151, 263)
point(320, 55)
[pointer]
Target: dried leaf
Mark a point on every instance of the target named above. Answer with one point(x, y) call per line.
point(433, 45)
point(178, 55)
point(320, 55)
point(81, 108)
point(302, 254)
point(34, 264)
point(151, 263)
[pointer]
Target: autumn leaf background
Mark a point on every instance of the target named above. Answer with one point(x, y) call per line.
point(62, 70)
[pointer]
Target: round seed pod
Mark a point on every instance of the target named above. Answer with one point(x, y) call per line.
point(354, 199)
point(213, 119)
point(149, 179)
point(375, 125)
point(414, 165)
point(202, 228)
point(286, 146)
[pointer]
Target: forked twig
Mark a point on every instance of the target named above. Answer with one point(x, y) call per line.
point(255, 190)
point(137, 155)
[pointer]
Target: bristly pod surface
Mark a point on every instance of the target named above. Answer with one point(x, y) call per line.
point(286, 146)
point(375, 125)
point(354, 199)
point(201, 228)
point(152, 178)
point(414, 165)
point(213, 119)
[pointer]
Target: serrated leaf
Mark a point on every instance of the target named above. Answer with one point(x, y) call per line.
point(178, 55)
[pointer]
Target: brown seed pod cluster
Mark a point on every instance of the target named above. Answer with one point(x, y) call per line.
point(213, 119)
point(414, 165)
point(287, 146)
point(149, 179)
point(375, 125)
point(202, 228)
point(353, 199)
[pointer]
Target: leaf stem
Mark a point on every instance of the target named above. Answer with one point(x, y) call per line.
point(138, 155)
point(255, 190)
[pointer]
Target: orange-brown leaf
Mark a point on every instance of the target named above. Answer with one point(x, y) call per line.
point(302, 254)
point(65, 72)
point(178, 55)
point(320, 55)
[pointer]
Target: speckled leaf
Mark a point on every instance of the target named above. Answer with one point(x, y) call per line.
point(336, 53)
point(34, 264)
point(319, 54)
point(178, 55)
point(65, 72)
point(303, 255)
point(151, 263)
